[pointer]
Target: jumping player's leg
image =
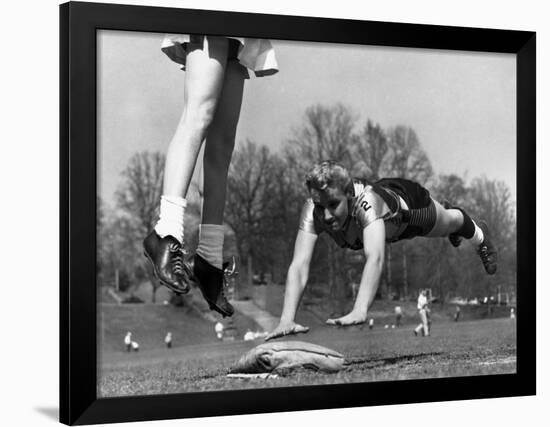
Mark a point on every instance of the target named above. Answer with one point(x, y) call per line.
point(203, 81)
point(457, 222)
point(217, 157)
point(220, 143)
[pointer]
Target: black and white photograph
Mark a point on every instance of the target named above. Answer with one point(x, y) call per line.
point(275, 213)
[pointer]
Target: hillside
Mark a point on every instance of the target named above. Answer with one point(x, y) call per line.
point(149, 324)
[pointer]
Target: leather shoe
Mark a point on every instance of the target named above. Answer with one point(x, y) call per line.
point(167, 257)
point(211, 283)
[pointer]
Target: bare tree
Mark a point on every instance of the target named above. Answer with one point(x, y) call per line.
point(371, 153)
point(140, 191)
point(492, 202)
point(250, 183)
point(326, 133)
point(138, 197)
point(407, 158)
point(288, 193)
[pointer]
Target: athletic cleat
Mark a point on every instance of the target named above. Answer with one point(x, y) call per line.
point(455, 239)
point(211, 282)
point(487, 251)
point(167, 257)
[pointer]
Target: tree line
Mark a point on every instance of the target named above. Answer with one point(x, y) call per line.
point(266, 192)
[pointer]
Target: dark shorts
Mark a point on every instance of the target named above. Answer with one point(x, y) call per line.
point(198, 40)
point(422, 215)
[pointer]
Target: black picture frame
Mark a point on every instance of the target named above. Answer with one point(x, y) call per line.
point(78, 348)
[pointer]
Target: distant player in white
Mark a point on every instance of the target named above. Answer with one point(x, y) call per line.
point(168, 340)
point(128, 341)
point(361, 216)
point(135, 346)
point(249, 335)
point(398, 315)
point(422, 306)
point(218, 327)
point(457, 314)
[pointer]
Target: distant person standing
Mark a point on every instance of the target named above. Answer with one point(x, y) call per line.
point(128, 341)
point(429, 317)
point(219, 330)
point(398, 316)
point(422, 306)
point(457, 314)
point(371, 323)
point(168, 340)
point(512, 313)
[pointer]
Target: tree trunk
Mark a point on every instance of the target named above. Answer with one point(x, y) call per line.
point(154, 285)
point(440, 285)
point(388, 271)
point(249, 270)
point(405, 278)
point(154, 295)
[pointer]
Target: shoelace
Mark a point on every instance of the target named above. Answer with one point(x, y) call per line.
point(225, 284)
point(177, 258)
point(484, 253)
point(227, 273)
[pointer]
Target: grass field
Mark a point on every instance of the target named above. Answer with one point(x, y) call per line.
point(149, 324)
point(465, 348)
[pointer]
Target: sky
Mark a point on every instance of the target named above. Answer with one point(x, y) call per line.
point(460, 104)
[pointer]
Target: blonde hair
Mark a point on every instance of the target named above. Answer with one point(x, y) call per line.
point(328, 173)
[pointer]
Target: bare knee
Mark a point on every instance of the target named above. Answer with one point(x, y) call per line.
point(199, 115)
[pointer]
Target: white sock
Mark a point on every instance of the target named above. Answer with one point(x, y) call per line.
point(211, 244)
point(477, 238)
point(172, 211)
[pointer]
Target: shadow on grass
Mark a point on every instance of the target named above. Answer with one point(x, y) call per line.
point(390, 360)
